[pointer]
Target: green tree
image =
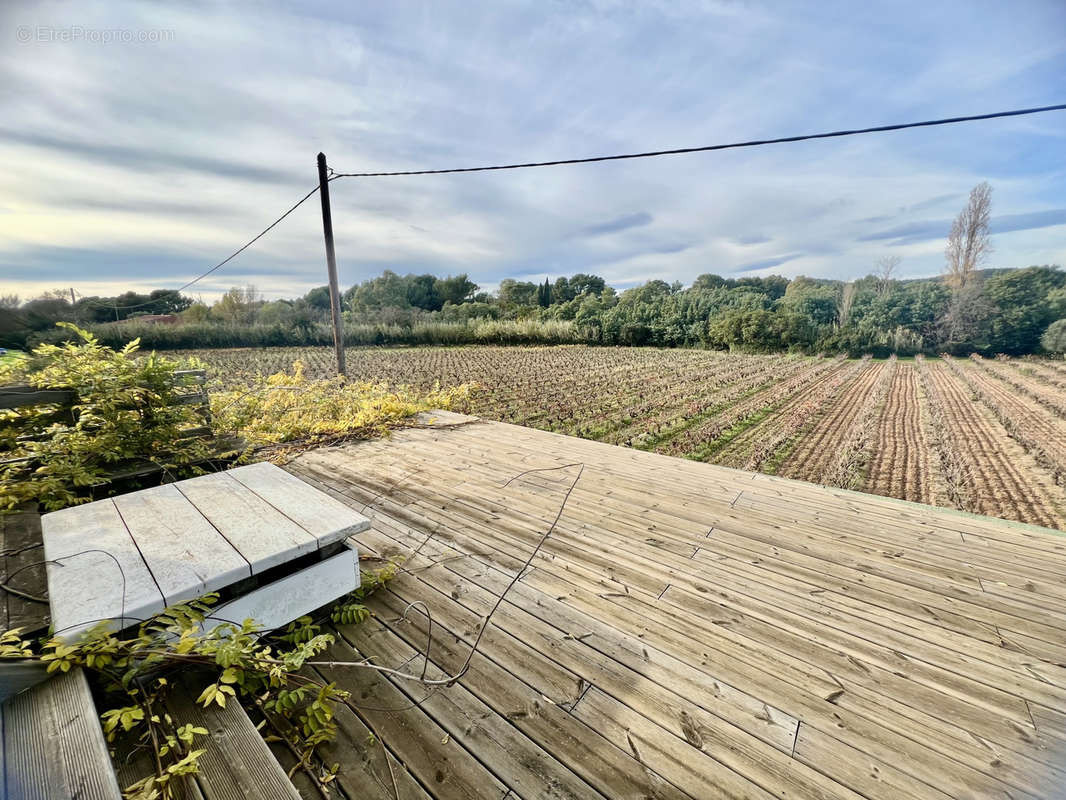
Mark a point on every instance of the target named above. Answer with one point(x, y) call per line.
point(582, 284)
point(455, 289)
point(196, 313)
point(1024, 305)
point(817, 300)
point(238, 306)
point(518, 293)
point(422, 292)
point(544, 294)
point(318, 298)
point(388, 290)
point(1054, 338)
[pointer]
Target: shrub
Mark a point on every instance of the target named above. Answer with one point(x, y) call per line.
point(123, 411)
point(290, 408)
point(1054, 338)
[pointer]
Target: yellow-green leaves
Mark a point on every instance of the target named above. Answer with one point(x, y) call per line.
point(234, 660)
point(289, 407)
point(62, 657)
point(122, 411)
point(124, 718)
point(216, 693)
point(13, 646)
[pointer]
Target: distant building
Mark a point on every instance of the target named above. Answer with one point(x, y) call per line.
point(158, 319)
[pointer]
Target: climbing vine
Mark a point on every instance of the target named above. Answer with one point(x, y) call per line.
point(237, 661)
point(123, 410)
point(290, 409)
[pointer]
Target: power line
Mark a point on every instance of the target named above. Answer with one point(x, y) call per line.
point(561, 162)
point(217, 266)
point(708, 148)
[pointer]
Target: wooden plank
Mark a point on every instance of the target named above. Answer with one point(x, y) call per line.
point(612, 771)
point(699, 652)
point(132, 765)
point(280, 602)
point(53, 746)
point(320, 515)
point(418, 741)
point(259, 532)
point(187, 556)
point(881, 731)
point(594, 652)
point(521, 764)
point(901, 668)
point(85, 584)
point(643, 697)
point(942, 657)
point(786, 537)
point(21, 554)
point(933, 541)
point(364, 773)
point(682, 473)
point(18, 396)
point(629, 542)
point(237, 764)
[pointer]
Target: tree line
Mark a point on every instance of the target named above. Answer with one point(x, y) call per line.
point(966, 309)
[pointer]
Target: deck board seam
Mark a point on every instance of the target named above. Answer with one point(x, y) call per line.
point(907, 737)
point(939, 668)
point(934, 632)
point(441, 723)
point(747, 594)
point(140, 553)
point(223, 536)
point(835, 681)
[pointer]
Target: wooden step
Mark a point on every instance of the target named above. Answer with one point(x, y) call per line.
point(53, 747)
point(237, 764)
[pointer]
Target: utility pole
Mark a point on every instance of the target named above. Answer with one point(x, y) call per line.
point(72, 300)
point(331, 264)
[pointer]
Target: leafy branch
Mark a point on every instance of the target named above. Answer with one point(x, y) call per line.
point(238, 659)
point(123, 410)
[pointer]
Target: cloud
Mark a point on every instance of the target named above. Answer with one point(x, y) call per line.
point(618, 224)
point(768, 263)
point(134, 157)
point(756, 238)
point(142, 165)
point(925, 230)
point(667, 249)
point(912, 232)
point(1030, 221)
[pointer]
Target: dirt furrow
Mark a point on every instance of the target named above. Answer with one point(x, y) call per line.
point(901, 466)
point(736, 453)
point(699, 440)
point(996, 485)
point(1049, 396)
point(812, 456)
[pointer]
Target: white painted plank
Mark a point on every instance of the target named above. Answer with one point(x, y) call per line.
point(186, 555)
point(88, 587)
point(282, 601)
point(258, 531)
point(325, 518)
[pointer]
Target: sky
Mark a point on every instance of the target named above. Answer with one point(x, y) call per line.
point(142, 142)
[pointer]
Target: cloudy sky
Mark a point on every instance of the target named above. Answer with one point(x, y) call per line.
point(142, 142)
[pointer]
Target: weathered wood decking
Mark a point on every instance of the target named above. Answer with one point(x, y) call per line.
point(690, 631)
point(24, 590)
point(127, 558)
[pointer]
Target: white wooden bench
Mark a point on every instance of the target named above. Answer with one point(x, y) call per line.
point(273, 546)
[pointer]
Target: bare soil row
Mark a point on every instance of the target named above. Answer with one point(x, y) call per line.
point(987, 436)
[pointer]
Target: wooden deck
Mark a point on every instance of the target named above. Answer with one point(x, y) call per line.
point(23, 587)
point(689, 631)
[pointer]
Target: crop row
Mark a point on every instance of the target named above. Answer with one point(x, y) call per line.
point(981, 435)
